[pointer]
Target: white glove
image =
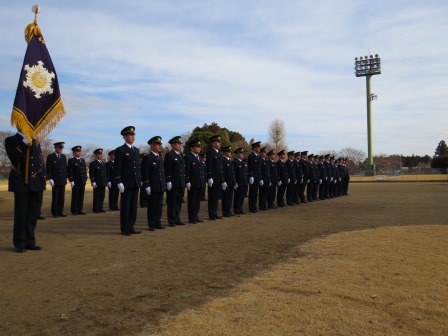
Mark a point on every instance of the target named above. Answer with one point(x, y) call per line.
point(141, 184)
point(308, 181)
point(331, 179)
point(261, 182)
point(251, 180)
point(169, 186)
point(339, 179)
point(148, 190)
point(94, 185)
point(235, 186)
point(210, 182)
point(301, 181)
point(109, 185)
point(120, 187)
point(73, 184)
point(188, 185)
point(51, 182)
point(224, 186)
point(320, 181)
point(279, 183)
point(326, 178)
point(295, 181)
point(289, 181)
point(25, 140)
point(335, 181)
point(270, 183)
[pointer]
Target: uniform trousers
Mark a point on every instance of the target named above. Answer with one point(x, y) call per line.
point(281, 195)
point(77, 202)
point(213, 199)
point(271, 195)
point(194, 203)
point(238, 199)
point(98, 199)
point(290, 190)
point(263, 197)
point(57, 200)
point(174, 205)
point(27, 206)
point(253, 195)
point(154, 210)
point(128, 209)
point(227, 197)
point(113, 197)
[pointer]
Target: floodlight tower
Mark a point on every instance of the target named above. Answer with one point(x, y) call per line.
point(367, 67)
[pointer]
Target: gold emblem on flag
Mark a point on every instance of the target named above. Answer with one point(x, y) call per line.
point(38, 79)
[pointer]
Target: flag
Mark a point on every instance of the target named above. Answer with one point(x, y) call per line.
point(37, 106)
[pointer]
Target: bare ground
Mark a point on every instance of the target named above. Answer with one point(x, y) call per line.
point(89, 280)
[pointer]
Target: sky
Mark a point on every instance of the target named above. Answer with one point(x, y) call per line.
point(166, 67)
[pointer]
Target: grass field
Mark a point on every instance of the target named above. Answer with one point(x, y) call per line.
point(372, 263)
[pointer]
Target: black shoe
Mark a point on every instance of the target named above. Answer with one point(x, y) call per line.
point(227, 215)
point(19, 250)
point(125, 233)
point(160, 227)
point(62, 215)
point(55, 216)
point(180, 223)
point(172, 225)
point(151, 229)
point(212, 218)
point(218, 217)
point(103, 211)
point(135, 231)
point(40, 218)
point(34, 248)
point(74, 213)
point(199, 220)
point(81, 213)
point(192, 222)
point(242, 213)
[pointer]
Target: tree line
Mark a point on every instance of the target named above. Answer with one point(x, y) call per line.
point(357, 159)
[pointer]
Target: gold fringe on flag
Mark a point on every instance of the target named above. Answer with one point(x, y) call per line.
point(45, 125)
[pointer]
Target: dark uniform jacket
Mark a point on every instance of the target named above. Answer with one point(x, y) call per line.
point(265, 172)
point(254, 166)
point(299, 171)
point(194, 171)
point(305, 169)
point(321, 167)
point(313, 172)
point(77, 171)
point(291, 169)
point(214, 165)
point(272, 171)
point(97, 173)
point(153, 173)
point(282, 174)
point(127, 167)
point(238, 169)
point(228, 172)
point(175, 169)
point(110, 171)
point(16, 150)
point(57, 169)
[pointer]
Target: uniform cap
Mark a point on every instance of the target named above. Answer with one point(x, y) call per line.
point(76, 149)
point(281, 152)
point(311, 156)
point(112, 152)
point(195, 143)
point(176, 139)
point(304, 153)
point(59, 144)
point(128, 130)
point(215, 138)
point(98, 151)
point(226, 149)
point(296, 154)
point(155, 140)
point(256, 144)
point(291, 153)
point(239, 150)
point(263, 150)
point(270, 152)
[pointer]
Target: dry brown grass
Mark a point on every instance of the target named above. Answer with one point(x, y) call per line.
point(384, 281)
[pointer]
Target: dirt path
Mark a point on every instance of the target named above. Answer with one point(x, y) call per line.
point(89, 280)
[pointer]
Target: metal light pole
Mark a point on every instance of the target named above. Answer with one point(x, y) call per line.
point(367, 67)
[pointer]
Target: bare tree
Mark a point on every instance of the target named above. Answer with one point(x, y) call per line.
point(5, 164)
point(277, 135)
point(357, 156)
